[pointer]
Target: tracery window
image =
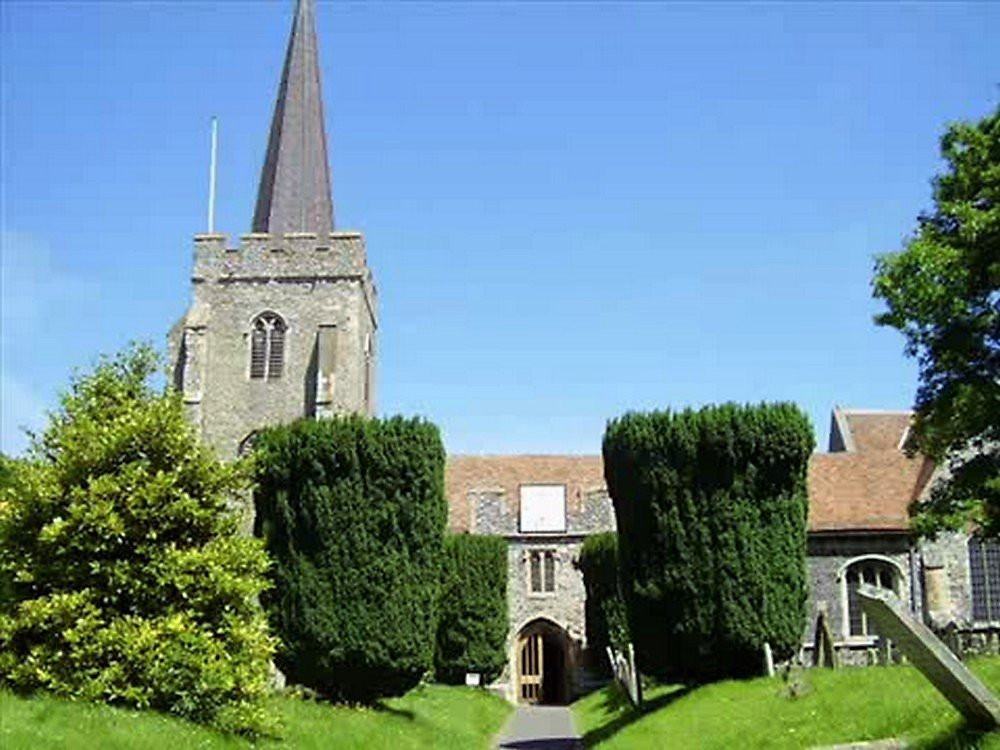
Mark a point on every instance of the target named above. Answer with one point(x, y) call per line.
point(874, 572)
point(984, 569)
point(267, 346)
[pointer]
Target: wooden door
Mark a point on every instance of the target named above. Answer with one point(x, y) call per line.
point(531, 668)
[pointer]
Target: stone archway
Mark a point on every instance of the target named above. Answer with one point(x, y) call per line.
point(542, 663)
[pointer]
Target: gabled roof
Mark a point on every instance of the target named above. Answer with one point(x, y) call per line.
point(465, 474)
point(294, 193)
point(868, 429)
point(865, 484)
point(864, 491)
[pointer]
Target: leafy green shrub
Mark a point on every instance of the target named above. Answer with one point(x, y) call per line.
point(352, 510)
point(472, 624)
point(605, 611)
point(126, 579)
point(711, 508)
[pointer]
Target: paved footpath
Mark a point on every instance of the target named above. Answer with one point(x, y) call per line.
point(541, 728)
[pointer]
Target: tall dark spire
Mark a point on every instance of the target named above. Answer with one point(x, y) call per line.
point(294, 194)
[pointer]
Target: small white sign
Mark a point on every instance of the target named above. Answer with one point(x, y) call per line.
point(543, 507)
point(472, 679)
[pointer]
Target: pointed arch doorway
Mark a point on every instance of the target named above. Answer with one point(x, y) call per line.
point(541, 654)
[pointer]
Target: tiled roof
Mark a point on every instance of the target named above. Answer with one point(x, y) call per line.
point(864, 491)
point(877, 431)
point(466, 474)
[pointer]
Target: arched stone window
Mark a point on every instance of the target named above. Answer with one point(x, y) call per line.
point(267, 346)
point(984, 570)
point(875, 571)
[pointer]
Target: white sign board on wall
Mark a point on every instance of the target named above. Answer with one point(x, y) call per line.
point(543, 507)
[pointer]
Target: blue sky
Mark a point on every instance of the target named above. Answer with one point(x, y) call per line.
point(571, 210)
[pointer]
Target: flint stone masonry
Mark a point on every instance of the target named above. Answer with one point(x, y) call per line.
point(828, 557)
point(937, 663)
point(495, 512)
point(323, 291)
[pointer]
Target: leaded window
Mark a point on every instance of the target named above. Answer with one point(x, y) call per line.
point(874, 572)
point(267, 346)
point(542, 571)
point(984, 569)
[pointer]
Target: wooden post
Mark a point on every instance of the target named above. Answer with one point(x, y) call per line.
point(768, 660)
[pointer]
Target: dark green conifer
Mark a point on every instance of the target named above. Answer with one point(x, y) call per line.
point(711, 508)
point(472, 629)
point(352, 511)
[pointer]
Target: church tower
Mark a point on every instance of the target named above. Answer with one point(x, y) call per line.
point(283, 325)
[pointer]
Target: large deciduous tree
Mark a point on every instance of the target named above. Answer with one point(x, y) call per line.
point(124, 577)
point(942, 292)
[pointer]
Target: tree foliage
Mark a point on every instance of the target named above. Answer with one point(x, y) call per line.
point(604, 609)
point(125, 579)
point(472, 620)
point(711, 508)
point(352, 510)
point(942, 292)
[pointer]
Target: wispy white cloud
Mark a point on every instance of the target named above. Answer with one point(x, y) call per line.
point(36, 296)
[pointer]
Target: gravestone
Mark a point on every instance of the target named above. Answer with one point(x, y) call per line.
point(824, 654)
point(932, 657)
point(626, 673)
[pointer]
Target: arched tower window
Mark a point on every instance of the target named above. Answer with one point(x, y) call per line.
point(874, 572)
point(267, 346)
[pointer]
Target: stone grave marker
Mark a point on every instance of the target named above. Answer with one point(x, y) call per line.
point(932, 657)
point(824, 654)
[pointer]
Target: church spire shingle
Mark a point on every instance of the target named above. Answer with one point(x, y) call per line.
point(294, 194)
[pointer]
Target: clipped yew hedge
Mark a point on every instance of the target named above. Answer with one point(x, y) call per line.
point(604, 608)
point(711, 508)
point(472, 629)
point(352, 511)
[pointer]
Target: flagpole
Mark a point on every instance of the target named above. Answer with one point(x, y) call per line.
point(211, 176)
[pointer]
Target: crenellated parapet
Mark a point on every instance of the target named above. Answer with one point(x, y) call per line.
point(300, 255)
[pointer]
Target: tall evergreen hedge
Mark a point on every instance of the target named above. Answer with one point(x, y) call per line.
point(472, 629)
point(711, 508)
point(604, 608)
point(352, 511)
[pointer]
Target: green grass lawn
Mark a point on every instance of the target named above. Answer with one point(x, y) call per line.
point(428, 717)
point(837, 707)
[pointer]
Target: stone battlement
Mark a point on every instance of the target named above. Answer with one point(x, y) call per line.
point(298, 255)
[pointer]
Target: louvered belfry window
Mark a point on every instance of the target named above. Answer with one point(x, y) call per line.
point(267, 346)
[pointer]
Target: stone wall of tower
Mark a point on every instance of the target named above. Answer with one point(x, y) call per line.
point(322, 289)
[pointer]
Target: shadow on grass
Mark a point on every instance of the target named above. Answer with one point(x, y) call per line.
point(402, 713)
point(549, 743)
point(616, 700)
point(962, 737)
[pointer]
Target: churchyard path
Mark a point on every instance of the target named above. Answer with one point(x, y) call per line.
point(541, 728)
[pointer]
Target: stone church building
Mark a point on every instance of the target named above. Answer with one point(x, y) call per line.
point(283, 324)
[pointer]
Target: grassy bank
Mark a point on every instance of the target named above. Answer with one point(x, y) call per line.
point(835, 707)
point(432, 716)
